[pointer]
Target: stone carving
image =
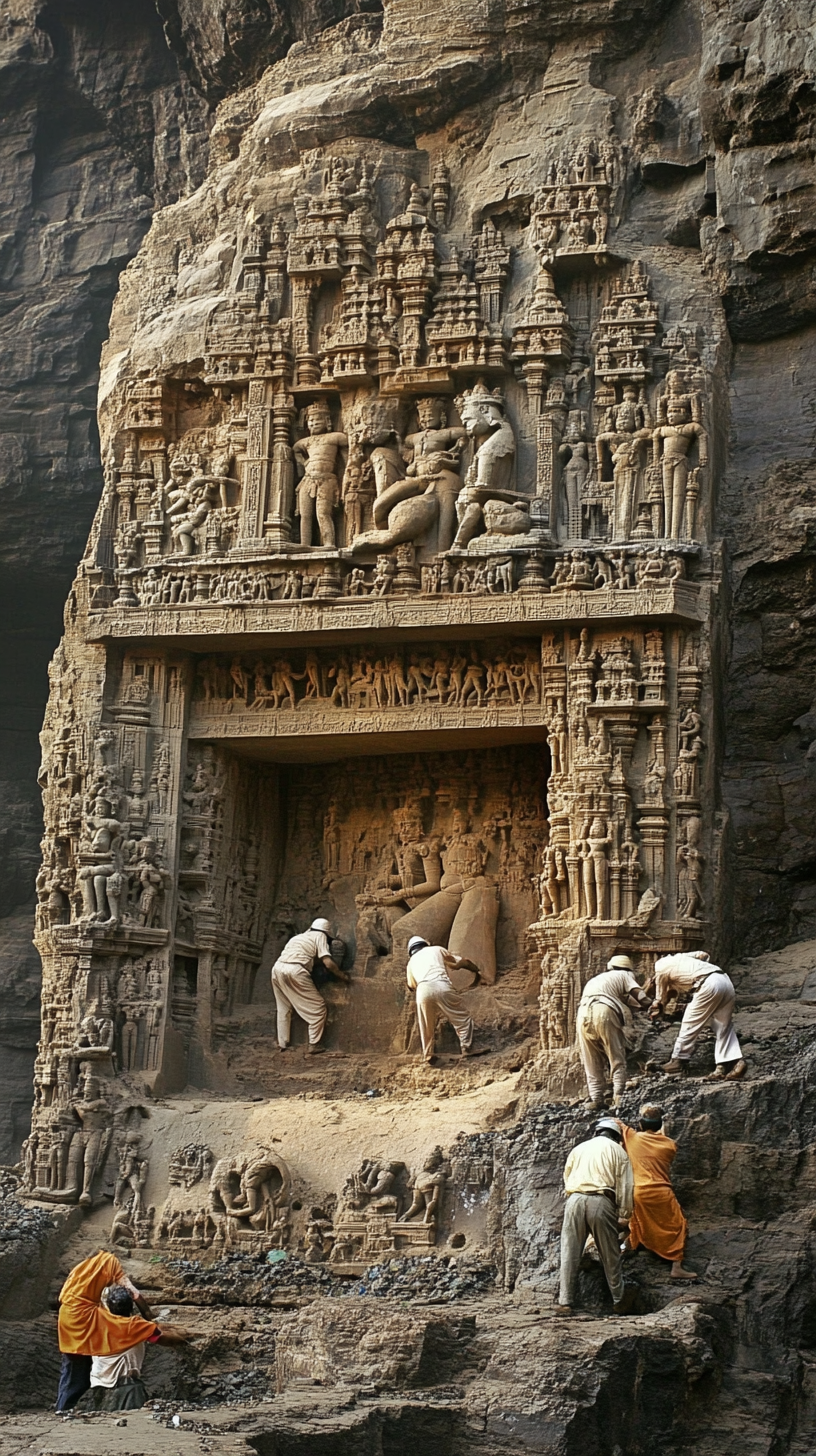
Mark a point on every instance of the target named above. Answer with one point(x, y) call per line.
point(318, 494)
point(250, 1199)
point(368, 682)
point(132, 1220)
point(456, 491)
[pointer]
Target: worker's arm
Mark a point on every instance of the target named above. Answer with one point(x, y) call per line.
point(136, 1295)
point(174, 1335)
point(625, 1188)
point(334, 970)
point(462, 962)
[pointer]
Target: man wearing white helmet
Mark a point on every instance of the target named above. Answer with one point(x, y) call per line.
point(429, 972)
point(599, 1186)
point(293, 985)
point(600, 1027)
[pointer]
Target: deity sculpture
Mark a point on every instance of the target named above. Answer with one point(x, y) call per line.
point(490, 471)
point(188, 502)
point(316, 456)
point(437, 450)
point(672, 444)
point(428, 1187)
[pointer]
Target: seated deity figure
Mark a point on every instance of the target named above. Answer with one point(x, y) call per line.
point(188, 502)
point(463, 912)
point(490, 471)
point(437, 450)
point(318, 493)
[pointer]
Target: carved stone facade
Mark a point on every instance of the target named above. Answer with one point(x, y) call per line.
point(398, 608)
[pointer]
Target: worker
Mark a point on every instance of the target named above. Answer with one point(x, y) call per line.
point(657, 1223)
point(600, 1025)
point(598, 1184)
point(294, 988)
point(712, 1001)
point(86, 1328)
point(116, 1379)
point(429, 974)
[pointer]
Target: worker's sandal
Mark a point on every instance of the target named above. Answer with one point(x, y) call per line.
point(736, 1072)
point(563, 1311)
point(718, 1075)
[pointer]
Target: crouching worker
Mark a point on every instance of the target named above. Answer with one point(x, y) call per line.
point(658, 1222)
point(599, 1186)
point(116, 1378)
point(86, 1328)
point(429, 972)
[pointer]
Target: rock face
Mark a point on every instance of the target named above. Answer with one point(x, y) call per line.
point(451, 574)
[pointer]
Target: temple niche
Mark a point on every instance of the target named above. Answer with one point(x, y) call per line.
point(398, 608)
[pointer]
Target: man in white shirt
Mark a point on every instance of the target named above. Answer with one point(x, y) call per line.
point(429, 972)
point(116, 1380)
point(599, 1186)
point(600, 1025)
point(294, 988)
point(712, 1000)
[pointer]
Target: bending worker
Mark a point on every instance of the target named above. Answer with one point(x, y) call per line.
point(88, 1329)
point(116, 1380)
point(428, 975)
point(657, 1222)
point(599, 1186)
point(600, 1027)
point(712, 1001)
point(294, 988)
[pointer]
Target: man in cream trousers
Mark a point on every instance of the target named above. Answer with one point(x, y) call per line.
point(429, 972)
point(712, 1001)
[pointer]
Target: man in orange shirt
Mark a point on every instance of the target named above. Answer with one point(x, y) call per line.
point(657, 1222)
point(86, 1328)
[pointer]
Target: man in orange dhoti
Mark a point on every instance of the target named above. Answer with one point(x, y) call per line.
point(657, 1222)
point(86, 1328)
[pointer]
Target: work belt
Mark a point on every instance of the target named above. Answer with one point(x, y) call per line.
point(599, 1001)
point(597, 1193)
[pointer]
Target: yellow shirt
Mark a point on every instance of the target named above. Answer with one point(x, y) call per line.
point(598, 1165)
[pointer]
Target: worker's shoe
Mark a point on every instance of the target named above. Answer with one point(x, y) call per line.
point(563, 1311)
point(284, 1047)
point(595, 1104)
point(736, 1072)
point(675, 1068)
point(626, 1303)
point(315, 1048)
point(474, 1051)
point(718, 1075)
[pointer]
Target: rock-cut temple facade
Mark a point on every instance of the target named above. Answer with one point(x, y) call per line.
point(400, 607)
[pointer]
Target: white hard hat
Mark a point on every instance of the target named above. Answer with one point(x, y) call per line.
point(324, 925)
point(417, 942)
point(620, 963)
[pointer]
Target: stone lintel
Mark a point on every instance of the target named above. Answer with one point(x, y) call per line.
point(440, 616)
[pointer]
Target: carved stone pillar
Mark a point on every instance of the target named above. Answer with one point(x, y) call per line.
point(654, 832)
point(256, 469)
point(278, 524)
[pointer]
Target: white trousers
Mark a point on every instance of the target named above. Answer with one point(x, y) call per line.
point(601, 1044)
point(296, 991)
point(713, 1002)
point(439, 998)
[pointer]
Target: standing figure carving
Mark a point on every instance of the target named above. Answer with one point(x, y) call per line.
point(318, 494)
point(672, 444)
